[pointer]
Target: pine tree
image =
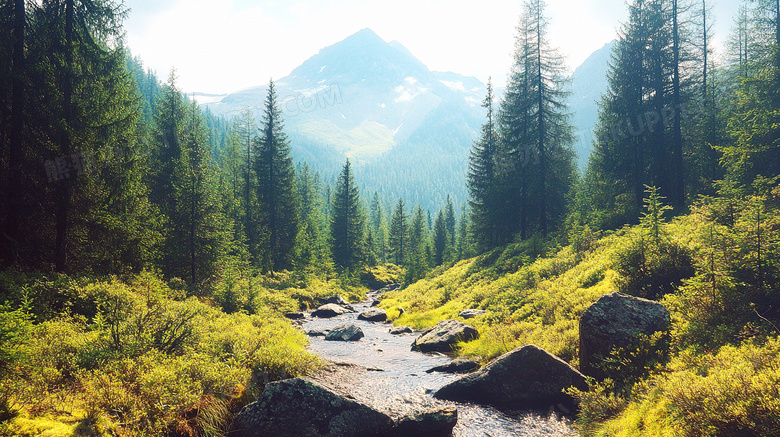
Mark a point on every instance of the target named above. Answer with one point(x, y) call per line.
point(417, 257)
point(449, 220)
point(481, 180)
point(202, 229)
point(311, 247)
point(244, 129)
point(83, 131)
point(347, 222)
point(278, 216)
point(399, 234)
point(12, 199)
point(640, 136)
point(379, 229)
point(537, 163)
point(441, 238)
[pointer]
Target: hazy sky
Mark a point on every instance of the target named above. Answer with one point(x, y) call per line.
point(220, 46)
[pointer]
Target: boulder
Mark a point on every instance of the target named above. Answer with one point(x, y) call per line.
point(330, 310)
point(317, 332)
point(614, 321)
point(345, 333)
point(397, 330)
point(455, 366)
point(375, 303)
point(443, 336)
point(436, 422)
point(373, 315)
point(338, 300)
point(295, 316)
point(527, 378)
point(470, 313)
point(301, 408)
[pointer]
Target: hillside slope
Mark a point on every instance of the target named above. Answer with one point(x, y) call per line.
point(717, 274)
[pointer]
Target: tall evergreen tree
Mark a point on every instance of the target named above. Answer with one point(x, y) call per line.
point(198, 231)
point(278, 217)
point(347, 222)
point(399, 234)
point(481, 180)
point(537, 162)
point(441, 238)
point(16, 142)
point(644, 115)
point(449, 220)
point(83, 132)
point(417, 256)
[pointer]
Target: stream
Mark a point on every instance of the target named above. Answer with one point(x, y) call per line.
point(381, 371)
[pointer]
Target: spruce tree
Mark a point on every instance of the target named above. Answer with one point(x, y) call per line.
point(199, 226)
point(347, 222)
point(449, 220)
point(278, 216)
point(399, 234)
point(417, 258)
point(537, 163)
point(481, 180)
point(441, 238)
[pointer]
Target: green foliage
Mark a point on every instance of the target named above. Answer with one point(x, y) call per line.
point(652, 218)
point(275, 185)
point(731, 392)
point(652, 271)
point(138, 363)
point(627, 366)
point(347, 223)
point(380, 276)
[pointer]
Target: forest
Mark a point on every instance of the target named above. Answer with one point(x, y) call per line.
point(150, 249)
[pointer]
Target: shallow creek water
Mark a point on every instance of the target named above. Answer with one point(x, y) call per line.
point(390, 377)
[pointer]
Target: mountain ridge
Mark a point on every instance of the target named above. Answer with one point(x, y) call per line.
point(377, 104)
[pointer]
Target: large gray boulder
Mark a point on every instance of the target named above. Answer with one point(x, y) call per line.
point(436, 422)
point(345, 333)
point(373, 315)
point(614, 321)
point(527, 377)
point(456, 366)
point(301, 408)
point(330, 310)
point(443, 336)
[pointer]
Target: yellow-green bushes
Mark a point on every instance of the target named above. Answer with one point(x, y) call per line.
point(538, 302)
point(125, 358)
point(733, 392)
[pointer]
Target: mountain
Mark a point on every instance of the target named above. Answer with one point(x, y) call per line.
point(407, 130)
point(374, 102)
point(588, 84)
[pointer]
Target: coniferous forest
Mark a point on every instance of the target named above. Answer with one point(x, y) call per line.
point(150, 249)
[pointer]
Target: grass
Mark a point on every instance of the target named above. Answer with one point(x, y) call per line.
point(136, 357)
point(723, 372)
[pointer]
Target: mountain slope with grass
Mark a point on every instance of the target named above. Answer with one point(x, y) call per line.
point(716, 269)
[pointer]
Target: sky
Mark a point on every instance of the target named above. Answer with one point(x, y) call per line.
point(221, 46)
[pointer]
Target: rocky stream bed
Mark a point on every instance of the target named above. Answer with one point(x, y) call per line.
point(381, 371)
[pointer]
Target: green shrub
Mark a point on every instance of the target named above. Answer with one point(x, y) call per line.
point(380, 276)
point(652, 271)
